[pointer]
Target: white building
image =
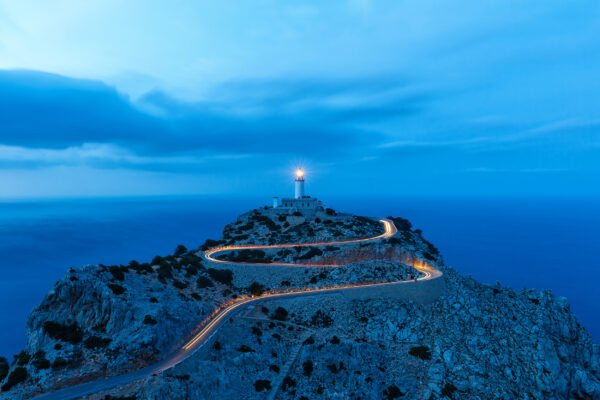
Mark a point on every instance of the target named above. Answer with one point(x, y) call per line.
point(300, 200)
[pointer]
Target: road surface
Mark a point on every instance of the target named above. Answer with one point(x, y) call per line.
point(213, 322)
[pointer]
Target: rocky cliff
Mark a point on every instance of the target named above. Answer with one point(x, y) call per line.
point(473, 341)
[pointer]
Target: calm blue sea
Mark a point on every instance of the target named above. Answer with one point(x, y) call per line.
point(538, 243)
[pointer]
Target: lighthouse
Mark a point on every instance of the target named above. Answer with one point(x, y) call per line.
point(299, 184)
point(300, 201)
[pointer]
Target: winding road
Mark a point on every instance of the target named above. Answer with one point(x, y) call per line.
point(213, 322)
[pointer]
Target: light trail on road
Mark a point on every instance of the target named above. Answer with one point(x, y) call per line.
point(212, 323)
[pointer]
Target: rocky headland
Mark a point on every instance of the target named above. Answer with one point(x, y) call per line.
point(448, 338)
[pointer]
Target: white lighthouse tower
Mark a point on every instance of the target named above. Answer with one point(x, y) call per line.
point(299, 184)
point(300, 202)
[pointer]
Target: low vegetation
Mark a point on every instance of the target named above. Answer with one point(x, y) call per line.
point(70, 333)
point(421, 352)
point(17, 376)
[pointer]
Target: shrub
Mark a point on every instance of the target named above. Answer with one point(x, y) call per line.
point(285, 283)
point(153, 300)
point(274, 368)
point(3, 368)
point(149, 320)
point(117, 272)
point(448, 390)
point(281, 218)
point(224, 276)
point(280, 314)
point(196, 296)
point(157, 260)
point(335, 340)
point(117, 289)
point(17, 376)
point(313, 252)
point(297, 214)
point(179, 284)
point(392, 392)
point(209, 243)
point(96, 342)
point(335, 369)
point(57, 346)
point(109, 397)
point(307, 367)
point(41, 363)
point(288, 382)
point(256, 289)
point(244, 349)
point(401, 223)
point(321, 319)
point(421, 352)
point(330, 211)
point(164, 270)
point(262, 384)
point(264, 310)
point(204, 282)
point(256, 331)
point(276, 336)
point(217, 345)
point(67, 333)
point(179, 250)
point(59, 363)
point(22, 358)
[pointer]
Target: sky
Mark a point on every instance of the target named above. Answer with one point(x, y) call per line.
point(113, 98)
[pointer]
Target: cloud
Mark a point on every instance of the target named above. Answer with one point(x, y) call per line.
point(71, 121)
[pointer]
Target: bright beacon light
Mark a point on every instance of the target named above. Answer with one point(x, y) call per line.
point(299, 173)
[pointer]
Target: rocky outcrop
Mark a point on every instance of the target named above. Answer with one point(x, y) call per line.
point(473, 342)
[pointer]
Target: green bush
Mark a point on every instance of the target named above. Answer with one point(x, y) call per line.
point(245, 349)
point(67, 333)
point(17, 376)
point(116, 289)
point(402, 224)
point(204, 282)
point(307, 367)
point(330, 211)
point(392, 392)
point(274, 368)
point(321, 319)
point(41, 363)
point(209, 243)
point(224, 276)
point(153, 300)
point(196, 296)
point(3, 368)
point(262, 384)
point(59, 363)
point(421, 352)
point(335, 368)
point(117, 272)
point(96, 342)
point(148, 320)
point(280, 314)
point(22, 358)
point(256, 289)
point(448, 390)
point(313, 252)
point(179, 284)
point(179, 250)
point(288, 382)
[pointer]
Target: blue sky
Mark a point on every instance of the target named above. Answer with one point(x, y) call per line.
point(113, 98)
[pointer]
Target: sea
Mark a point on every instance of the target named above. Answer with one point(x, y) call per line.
point(540, 243)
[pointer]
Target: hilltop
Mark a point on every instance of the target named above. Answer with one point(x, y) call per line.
point(450, 337)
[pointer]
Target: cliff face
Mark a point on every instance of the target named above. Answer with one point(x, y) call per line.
point(473, 342)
